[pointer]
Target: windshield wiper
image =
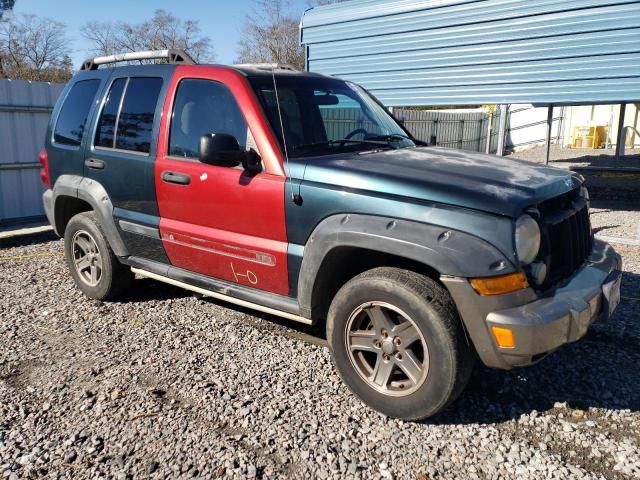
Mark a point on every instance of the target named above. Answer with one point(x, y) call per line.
point(341, 142)
point(391, 136)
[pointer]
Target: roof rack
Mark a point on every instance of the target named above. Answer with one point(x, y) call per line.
point(172, 56)
point(267, 66)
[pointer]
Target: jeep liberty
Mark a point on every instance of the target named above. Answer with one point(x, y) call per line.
point(300, 195)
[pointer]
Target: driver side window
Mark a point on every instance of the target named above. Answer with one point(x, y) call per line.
point(202, 107)
point(343, 116)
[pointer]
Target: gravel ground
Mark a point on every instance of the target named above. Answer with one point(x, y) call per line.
point(575, 158)
point(610, 220)
point(165, 384)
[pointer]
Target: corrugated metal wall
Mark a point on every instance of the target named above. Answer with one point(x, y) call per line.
point(461, 52)
point(25, 108)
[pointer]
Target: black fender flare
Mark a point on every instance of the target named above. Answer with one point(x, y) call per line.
point(95, 195)
point(449, 252)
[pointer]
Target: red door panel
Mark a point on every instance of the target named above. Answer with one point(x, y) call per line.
point(224, 223)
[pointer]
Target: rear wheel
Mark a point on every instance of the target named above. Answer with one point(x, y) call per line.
point(398, 343)
point(93, 265)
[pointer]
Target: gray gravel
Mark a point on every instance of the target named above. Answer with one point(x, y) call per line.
point(576, 158)
point(610, 220)
point(165, 384)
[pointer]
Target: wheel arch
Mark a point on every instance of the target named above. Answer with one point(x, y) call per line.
point(343, 263)
point(65, 208)
point(343, 246)
point(73, 194)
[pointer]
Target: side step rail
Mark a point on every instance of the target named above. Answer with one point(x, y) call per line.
point(280, 306)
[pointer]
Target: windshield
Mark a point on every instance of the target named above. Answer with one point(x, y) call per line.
point(323, 116)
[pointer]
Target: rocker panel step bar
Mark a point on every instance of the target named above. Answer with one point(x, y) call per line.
point(270, 303)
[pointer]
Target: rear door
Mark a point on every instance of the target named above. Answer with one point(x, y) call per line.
point(122, 153)
point(220, 221)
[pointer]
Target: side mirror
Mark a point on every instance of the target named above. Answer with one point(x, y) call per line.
point(251, 162)
point(220, 149)
point(223, 150)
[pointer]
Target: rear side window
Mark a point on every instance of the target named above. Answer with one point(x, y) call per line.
point(74, 112)
point(135, 123)
point(127, 123)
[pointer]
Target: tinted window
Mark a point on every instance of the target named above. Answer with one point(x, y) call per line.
point(203, 107)
point(135, 124)
point(325, 116)
point(105, 133)
point(75, 110)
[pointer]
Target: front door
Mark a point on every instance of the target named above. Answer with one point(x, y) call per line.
point(218, 221)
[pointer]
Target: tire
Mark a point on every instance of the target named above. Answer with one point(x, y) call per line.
point(99, 274)
point(428, 358)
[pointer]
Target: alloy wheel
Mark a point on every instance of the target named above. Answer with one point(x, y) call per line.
point(86, 258)
point(387, 349)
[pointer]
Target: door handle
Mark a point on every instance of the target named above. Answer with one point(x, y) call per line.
point(94, 163)
point(173, 177)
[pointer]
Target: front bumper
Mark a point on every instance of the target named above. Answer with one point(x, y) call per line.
point(541, 323)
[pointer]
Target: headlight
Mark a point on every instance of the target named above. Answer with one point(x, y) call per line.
point(527, 239)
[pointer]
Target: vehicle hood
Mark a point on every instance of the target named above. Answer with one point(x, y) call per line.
point(499, 185)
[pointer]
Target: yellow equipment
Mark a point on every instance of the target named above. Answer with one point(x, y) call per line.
point(589, 136)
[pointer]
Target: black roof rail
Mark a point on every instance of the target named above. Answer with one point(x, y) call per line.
point(171, 55)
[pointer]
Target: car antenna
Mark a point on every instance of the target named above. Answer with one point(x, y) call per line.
point(296, 198)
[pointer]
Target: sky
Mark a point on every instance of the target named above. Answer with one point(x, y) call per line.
point(222, 20)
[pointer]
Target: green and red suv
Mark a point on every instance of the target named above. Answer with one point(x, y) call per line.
point(299, 195)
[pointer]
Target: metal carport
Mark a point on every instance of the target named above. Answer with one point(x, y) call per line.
point(474, 52)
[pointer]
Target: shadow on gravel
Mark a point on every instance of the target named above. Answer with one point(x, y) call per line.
point(599, 371)
point(146, 289)
point(270, 323)
point(608, 206)
point(606, 159)
point(29, 239)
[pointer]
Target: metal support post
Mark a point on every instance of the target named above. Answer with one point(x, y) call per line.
point(547, 152)
point(502, 130)
point(621, 131)
point(489, 122)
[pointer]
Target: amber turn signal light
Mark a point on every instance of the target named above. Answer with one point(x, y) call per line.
point(499, 285)
point(504, 337)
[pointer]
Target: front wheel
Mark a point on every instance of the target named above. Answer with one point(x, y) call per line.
point(398, 344)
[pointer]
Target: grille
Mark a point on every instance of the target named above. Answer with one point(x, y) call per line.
point(566, 236)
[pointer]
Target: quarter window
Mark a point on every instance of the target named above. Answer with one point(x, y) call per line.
point(202, 107)
point(127, 123)
point(74, 112)
point(106, 131)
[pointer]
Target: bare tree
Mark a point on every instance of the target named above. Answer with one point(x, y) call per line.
point(162, 31)
point(271, 33)
point(34, 48)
